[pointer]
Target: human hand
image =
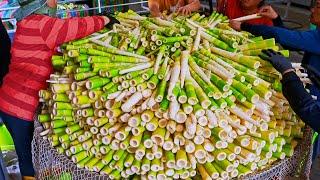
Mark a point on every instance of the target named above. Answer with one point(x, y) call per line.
point(236, 25)
point(184, 10)
point(106, 20)
point(278, 61)
point(268, 12)
point(111, 21)
point(156, 14)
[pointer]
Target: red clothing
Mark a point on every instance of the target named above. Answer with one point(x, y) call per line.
point(34, 43)
point(232, 9)
point(163, 4)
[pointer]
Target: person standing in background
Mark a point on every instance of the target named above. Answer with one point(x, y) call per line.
point(5, 46)
point(184, 7)
point(37, 36)
point(238, 8)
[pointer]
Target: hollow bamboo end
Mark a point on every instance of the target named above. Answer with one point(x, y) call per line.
point(208, 147)
point(162, 123)
point(200, 154)
point(182, 99)
point(168, 145)
point(268, 95)
point(255, 98)
point(181, 117)
point(192, 101)
point(256, 65)
point(181, 163)
point(150, 127)
point(145, 167)
point(134, 143)
point(157, 139)
point(232, 157)
point(205, 104)
point(158, 42)
point(200, 113)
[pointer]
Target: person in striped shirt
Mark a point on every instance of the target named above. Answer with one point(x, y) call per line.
point(184, 7)
point(35, 41)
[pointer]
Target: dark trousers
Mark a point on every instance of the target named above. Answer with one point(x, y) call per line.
point(314, 90)
point(22, 133)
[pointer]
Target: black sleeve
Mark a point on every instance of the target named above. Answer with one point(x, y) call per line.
point(301, 101)
point(5, 46)
point(278, 21)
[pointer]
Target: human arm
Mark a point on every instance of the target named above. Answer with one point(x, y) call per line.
point(191, 6)
point(154, 8)
point(292, 88)
point(308, 41)
point(300, 100)
point(277, 21)
point(268, 12)
point(56, 31)
point(194, 5)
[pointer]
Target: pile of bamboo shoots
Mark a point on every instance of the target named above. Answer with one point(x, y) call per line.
point(168, 99)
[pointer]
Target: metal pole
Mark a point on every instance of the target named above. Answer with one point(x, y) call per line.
point(211, 6)
point(99, 6)
point(287, 9)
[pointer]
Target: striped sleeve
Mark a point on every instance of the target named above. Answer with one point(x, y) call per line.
point(56, 31)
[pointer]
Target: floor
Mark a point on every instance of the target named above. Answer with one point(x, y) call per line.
point(315, 170)
point(11, 163)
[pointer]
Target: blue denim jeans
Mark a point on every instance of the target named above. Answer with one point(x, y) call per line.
point(22, 133)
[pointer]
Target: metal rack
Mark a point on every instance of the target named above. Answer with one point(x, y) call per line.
point(288, 4)
point(142, 4)
point(14, 22)
point(143, 7)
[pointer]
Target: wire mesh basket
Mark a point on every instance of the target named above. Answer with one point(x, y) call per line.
point(49, 164)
